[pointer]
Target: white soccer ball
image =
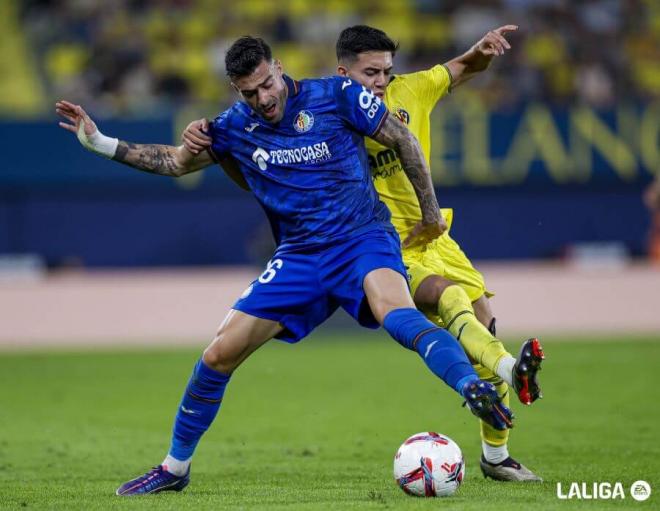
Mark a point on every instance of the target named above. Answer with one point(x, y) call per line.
point(429, 465)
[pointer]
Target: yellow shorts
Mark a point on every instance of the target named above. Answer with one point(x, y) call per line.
point(444, 257)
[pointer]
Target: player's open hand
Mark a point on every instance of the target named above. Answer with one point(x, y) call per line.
point(195, 137)
point(494, 43)
point(77, 117)
point(423, 233)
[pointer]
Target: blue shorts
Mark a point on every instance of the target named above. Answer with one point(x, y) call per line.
point(301, 289)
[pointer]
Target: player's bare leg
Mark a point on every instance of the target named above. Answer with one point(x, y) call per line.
point(392, 306)
point(237, 338)
point(386, 291)
point(484, 313)
point(239, 335)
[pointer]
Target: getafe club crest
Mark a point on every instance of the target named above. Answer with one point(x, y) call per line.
point(402, 115)
point(304, 121)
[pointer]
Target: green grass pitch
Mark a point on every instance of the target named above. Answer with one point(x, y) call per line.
point(315, 426)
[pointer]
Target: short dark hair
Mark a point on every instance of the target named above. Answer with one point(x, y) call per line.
point(361, 38)
point(243, 57)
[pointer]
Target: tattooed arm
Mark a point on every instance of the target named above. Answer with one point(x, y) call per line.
point(395, 135)
point(153, 158)
point(164, 160)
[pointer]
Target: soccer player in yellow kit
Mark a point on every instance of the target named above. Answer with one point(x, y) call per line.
point(443, 282)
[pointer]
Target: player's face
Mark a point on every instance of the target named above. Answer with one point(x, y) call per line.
point(372, 69)
point(264, 90)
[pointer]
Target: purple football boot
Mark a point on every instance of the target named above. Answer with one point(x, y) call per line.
point(483, 401)
point(156, 480)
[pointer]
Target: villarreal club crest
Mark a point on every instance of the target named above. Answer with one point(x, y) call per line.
point(402, 115)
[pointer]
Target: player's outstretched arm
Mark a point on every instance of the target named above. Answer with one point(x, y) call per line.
point(158, 159)
point(395, 135)
point(479, 57)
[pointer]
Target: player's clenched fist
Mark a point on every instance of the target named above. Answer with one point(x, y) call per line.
point(195, 137)
point(424, 233)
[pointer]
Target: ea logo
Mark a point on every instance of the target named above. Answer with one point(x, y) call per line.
point(640, 490)
point(260, 157)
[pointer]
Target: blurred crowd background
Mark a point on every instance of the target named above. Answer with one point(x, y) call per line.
point(560, 137)
point(148, 57)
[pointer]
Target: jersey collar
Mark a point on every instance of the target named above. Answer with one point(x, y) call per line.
point(293, 85)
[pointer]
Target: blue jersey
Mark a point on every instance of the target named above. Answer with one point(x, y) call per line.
point(309, 171)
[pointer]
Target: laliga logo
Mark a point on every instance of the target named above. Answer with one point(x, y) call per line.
point(639, 490)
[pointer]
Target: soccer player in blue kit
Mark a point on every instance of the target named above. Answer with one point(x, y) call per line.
point(299, 147)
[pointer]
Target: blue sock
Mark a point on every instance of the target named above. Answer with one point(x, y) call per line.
point(199, 406)
point(441, 352)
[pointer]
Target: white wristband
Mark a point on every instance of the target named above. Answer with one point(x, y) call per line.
point(97, 142)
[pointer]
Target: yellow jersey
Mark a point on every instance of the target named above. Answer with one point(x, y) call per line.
point(411, 98)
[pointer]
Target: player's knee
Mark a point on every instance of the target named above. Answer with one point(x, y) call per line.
point(219, 357)
point(430, 290)
point(212, 358)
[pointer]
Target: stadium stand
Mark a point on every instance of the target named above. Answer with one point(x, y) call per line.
point(142, 57)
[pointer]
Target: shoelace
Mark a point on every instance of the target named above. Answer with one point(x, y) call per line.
point(148, 479)
point(500, 416)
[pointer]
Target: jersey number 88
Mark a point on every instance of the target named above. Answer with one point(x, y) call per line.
point(367, 102)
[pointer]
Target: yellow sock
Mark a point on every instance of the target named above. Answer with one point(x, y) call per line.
point(489, 434)
point(455, 309)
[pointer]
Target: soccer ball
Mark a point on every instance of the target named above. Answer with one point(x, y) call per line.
point(429, 465)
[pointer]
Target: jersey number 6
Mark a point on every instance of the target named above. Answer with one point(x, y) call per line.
point(271, 270)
